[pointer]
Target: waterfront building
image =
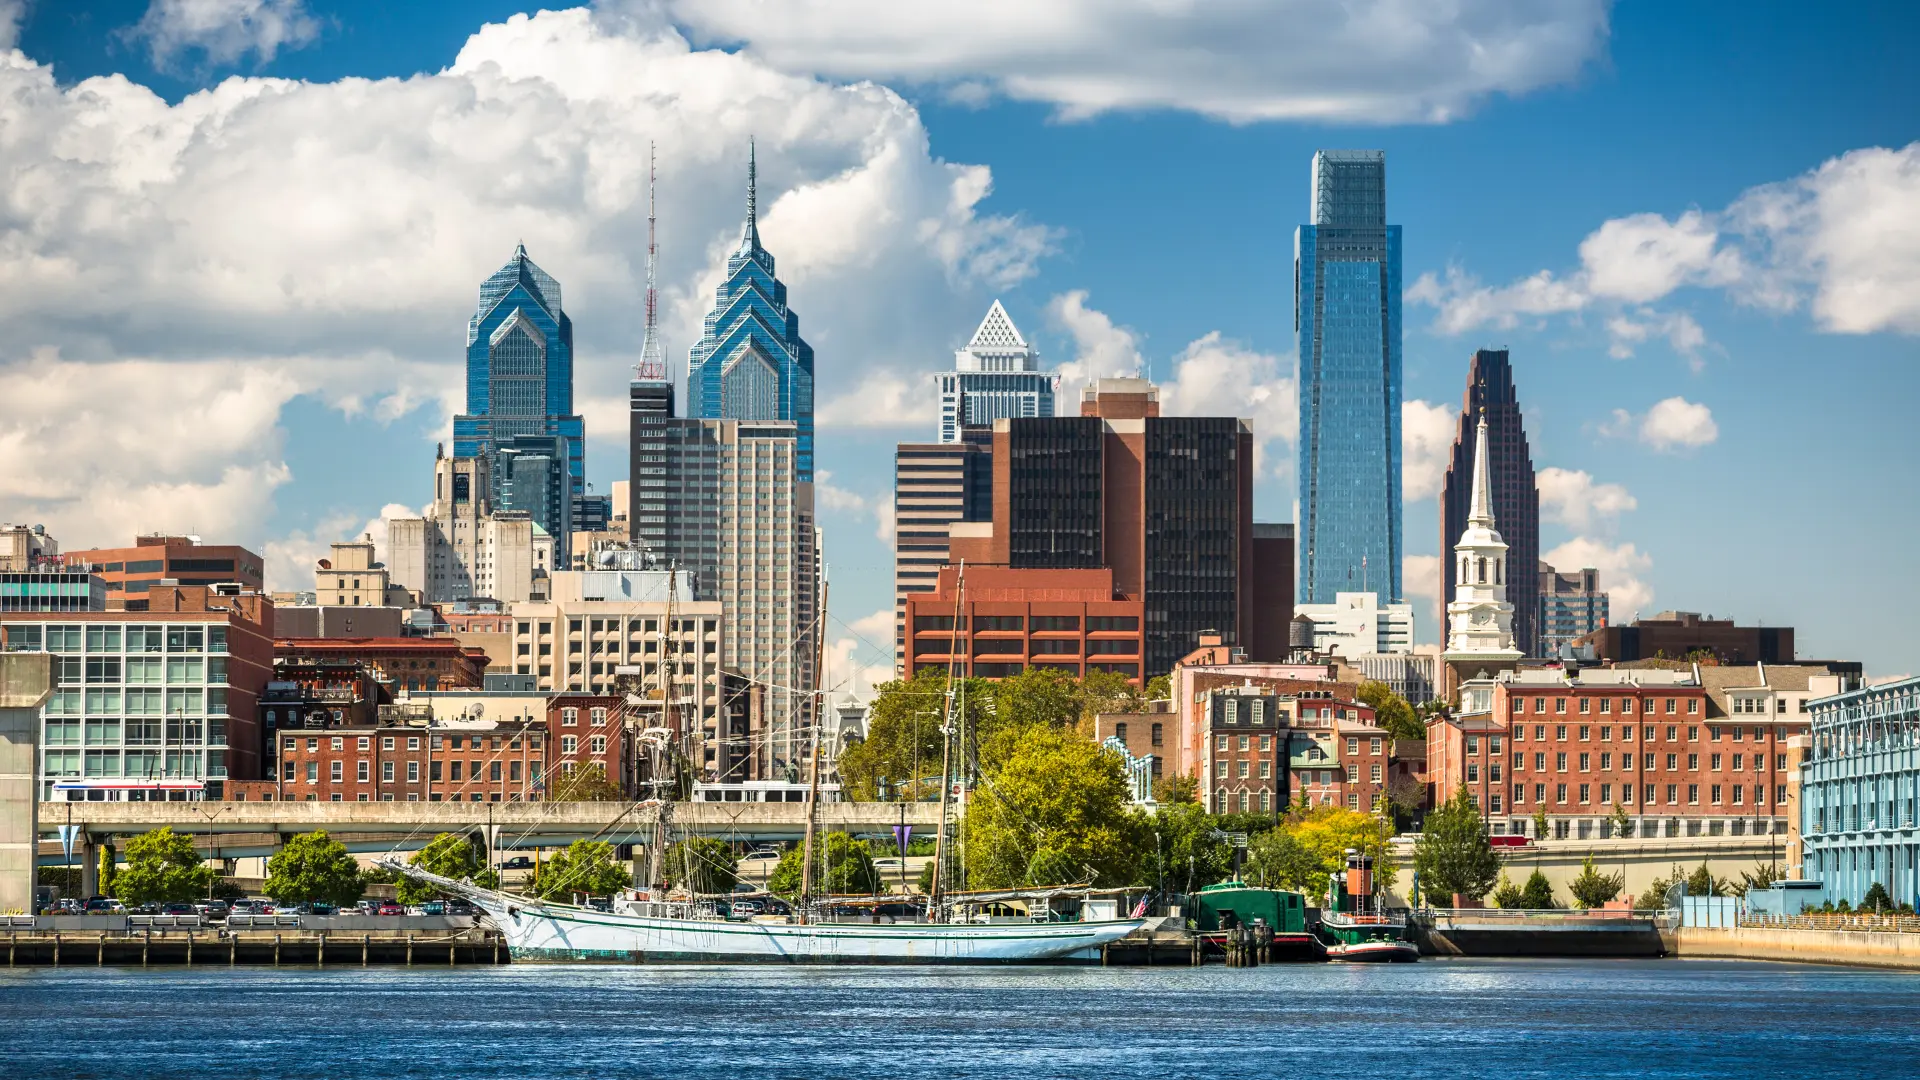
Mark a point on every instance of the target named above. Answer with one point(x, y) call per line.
point(1214, 665)
point(464, 547)
point(750, 363)
point(1514, 498)
point(130, 572)
point(934, 485)
point(1860, 793)
point(26, 547)
point(167, 692)
point(1679, 635)
point(52, 587)
point(399, 664)
point(1357, 623)
point(1479, 618)
point(996, 376)
point(1148, 736)
point(1572, 606)
point(520, 397)
point(351, 577)
point(1346, 271)
point(1166, 503)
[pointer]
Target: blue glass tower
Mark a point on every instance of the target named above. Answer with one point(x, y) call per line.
point(1346, 281)
point(750, 363)
point(520, 396)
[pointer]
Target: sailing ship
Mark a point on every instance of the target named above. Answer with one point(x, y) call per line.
point(644, 926)
point(1354, 926)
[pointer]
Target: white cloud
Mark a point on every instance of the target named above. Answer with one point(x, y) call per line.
point(1672, 424)
point(1248, 60)
point(1420, 580)
point(1621, 567)
point(290, 558)
point(225, 30)
point(853, 504)
point(330, 238)
point(1572, 498)
point(1216, 377)
point(12, 14)
point(1426, 448)
point(861, 657)
point(884, 399)
point(1102, 350)
point(1846, 234)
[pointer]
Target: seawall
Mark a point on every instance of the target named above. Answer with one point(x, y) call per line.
point(1866, 948)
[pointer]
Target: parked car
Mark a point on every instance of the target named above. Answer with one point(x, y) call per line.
point(214, 909)
point(104, 905)
point(65, 906)
point(743, 909)
point(388, 907)
point(460, 907)
point(434, 907)
point(762, 853)
point(148, 908)
point(178, 908)
point(517, 862)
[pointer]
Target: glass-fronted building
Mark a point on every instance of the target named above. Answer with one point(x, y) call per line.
point(1347, 317)
point(997, 376)
point(1860, 793)
point(52, 589)
point(520, 396)
point(750, 362)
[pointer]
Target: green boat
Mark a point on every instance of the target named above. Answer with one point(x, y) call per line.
point(1219, 908)
point(1354, 927)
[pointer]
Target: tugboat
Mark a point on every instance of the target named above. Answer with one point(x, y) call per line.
point(1354, 928)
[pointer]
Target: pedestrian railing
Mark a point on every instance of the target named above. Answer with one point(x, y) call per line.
point(165, 922)
point(1854, 921)
point(263, 922)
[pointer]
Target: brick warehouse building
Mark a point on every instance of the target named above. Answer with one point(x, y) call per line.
point(130, 572)
point(1163, 503)
point(999, 621)
point(400, 664)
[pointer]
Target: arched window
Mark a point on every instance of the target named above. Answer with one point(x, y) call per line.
point(1483, 570)
point(1499, 571)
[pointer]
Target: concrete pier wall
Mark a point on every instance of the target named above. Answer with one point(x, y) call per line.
point(1860, 947)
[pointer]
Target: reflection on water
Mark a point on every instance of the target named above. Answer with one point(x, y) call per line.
point(1567, 1019)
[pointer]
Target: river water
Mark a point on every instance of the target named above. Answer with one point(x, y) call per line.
point(1571, 1020)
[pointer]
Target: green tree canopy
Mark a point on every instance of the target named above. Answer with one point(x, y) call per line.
point(1391, 711)
point(843, 866)
point(1176, 788)
point(1186, 855)
point(1053, 810)
point(586, 783)
point(1762, 876)
point(701, 865)
point(161, 867)
point(453, 855)
point(1326, 832)
point(1593, 888)
point(1453, 855)
point(584, 867)
point(1538, 894)
point(1277, 859)
point(1877, 899)
point(902, 747)
point(314, 867)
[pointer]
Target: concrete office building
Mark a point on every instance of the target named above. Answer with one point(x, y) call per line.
point(464, 548)
point(1860, 793)
point(996, 376)
point(182, 560)
point(934, 485)
point(1678, 635)
point(52, 587)
point(1358, 624)
point(1571, 607)
point(1513, 496)
point(25, 547)
point(351, 577)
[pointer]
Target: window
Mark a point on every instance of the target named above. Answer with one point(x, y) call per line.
point(1693, 762)
point(1560, 733)
point(360, 772)
point(597, 716)
point(1586, 762)
point(569, 744)
point(1560, 762)
point(365, 743)
point(1159, 734)
point(1246, 742)
point(569, 717)
point(1560, 793)
point(1586, 705)
point(1353, 773)
point(413, 772)
point(1586, 791)
point(413, 742)
point(597, 744)
point(1670, 703)
point(334, 771)
point(339, 743)
point(1540, 705)
point(1693, 794)
point(1626, 705)
point(1606, 706)
point(1560, 705)
point(1693, 734)
point(1693, 706)
point(1493, 742)
point(1673, 794)
point(1606, 734)
point(1540, 762)
point(493, 771)
point(1738, 759)
point(1585, 733)
point(1266, 770)
point(1353, 745)
point(1519, 733)
point(1606, 762)
point(1716, 794)
point(1473, 772)
point(1606, 790)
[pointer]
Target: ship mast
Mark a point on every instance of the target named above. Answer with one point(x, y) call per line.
point(813, 758)
point(946, 752)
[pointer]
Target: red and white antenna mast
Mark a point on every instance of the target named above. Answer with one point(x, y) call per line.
point(653, 359)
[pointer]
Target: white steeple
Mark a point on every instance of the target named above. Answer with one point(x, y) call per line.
point(1479, 619)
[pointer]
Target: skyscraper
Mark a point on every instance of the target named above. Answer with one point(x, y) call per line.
point(1479, 615)
point(996, 376)
point(1516, 501)
point(1346, 281)
point(750, 362)
point(520, 397)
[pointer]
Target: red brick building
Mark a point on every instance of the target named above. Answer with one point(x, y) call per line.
point(1005, 620)
point(131, 572)
point(400, 664)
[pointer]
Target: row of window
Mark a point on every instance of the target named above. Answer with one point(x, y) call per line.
point(1715, 732)
point(1737, 793)
point(25, 637)
point(1062, 623)
point(1606, 705)
point(1738, 762)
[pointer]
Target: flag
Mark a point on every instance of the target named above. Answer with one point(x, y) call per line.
point(903, 835)
point(1139, 909)
point(69, 834)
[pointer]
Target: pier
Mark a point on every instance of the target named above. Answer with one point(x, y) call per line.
point(29, 944)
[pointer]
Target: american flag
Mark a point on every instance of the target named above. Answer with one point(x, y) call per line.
point(1139, 909)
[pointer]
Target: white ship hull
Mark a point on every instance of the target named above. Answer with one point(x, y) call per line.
point(556, 933)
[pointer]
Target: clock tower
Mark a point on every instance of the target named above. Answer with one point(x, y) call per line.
point(1479, 618)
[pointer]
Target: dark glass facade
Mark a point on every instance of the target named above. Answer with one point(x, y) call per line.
point(1055, 494)
point(1516, 499)
point(1192, 533)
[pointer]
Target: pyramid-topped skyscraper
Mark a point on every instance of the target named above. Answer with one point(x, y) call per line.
point(750, 362)
point(996, 376)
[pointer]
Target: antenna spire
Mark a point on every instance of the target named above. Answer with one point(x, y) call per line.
point(750, 231)
point(653, 360)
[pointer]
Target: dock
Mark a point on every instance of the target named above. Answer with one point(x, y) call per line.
point(272, 946)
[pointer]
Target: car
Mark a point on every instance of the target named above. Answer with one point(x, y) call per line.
point(178, 908)
point(742, 909)
point(388, 907)
point(434, 907)
point(761, 853)
point(460, 907)
point(104, 905)
point(889, 864)
point(518, 862)
point(66, 906)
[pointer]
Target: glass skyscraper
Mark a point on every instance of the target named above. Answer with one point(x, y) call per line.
point(996, 376)
point(750, 362)
point(1346, 281)
point(520, 397)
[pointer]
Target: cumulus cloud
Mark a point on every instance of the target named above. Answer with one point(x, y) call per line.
point(1571, 498)
point(12, 14)
point(1844, 237)
point(860, 656)
point(1213, 376)
point(1671, 425)
point(884, 399)
point(290, 558)
point(1420, 580)
point(225, 31)
point(1249, 60)
point(852, 504)
point(330, 238)
point(1426, 448)
point(1622, 568)
point(1102, 350)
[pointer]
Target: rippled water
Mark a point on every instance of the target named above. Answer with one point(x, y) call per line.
point(1568, 1019)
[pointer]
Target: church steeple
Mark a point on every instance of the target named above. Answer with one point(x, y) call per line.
point(1479, 618)
point(1481, 512)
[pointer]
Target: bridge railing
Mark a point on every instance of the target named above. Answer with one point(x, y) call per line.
point(1856, 921)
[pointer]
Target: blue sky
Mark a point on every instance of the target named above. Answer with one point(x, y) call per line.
point(1724, 373)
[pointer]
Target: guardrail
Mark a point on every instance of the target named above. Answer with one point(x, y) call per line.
point(1516, 914)
point(263, 922)
point(166, 922)
point(1869, 922)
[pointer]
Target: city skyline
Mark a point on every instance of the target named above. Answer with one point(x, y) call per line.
point(1654, 361)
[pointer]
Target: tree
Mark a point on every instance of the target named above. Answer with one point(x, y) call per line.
point(902, 747)
point(1508, 895)
point(1406, 796)
point(1453, 856)
point(586, 783)
point(1702, 883)
point(1538, 894)
point(1622, 823)
point(1654, 896)
point(162, 866)
point(1540, 822)
point(1176, 788)
point(1762, 876)
point(702, 865)
point(585, 867)
point(1278, 860)
point(1592, 888)
point(1054, 810)
point(1391, 711)
point(452, 855)
point(1187, 856)
point(314, 867)
point(109, 869)
point(1038, 696)
point(843, 867)
point(1877, 899)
